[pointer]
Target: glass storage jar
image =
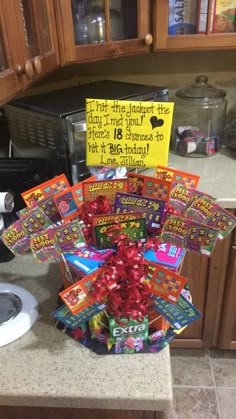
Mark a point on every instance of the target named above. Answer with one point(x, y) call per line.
point(198, 120)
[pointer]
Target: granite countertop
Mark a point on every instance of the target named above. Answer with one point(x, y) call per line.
point(47, 368)
point(217, 174)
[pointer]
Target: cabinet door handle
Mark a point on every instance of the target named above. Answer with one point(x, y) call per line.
point(37, 65)
point(112, 52)
point(148, 39)
point(27, 69)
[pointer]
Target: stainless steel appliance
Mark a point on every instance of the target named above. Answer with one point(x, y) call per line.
point(52, 125)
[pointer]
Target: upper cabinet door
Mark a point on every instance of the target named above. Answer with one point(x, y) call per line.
point(91, 30)
point(193, 25)
point(10, 52)
point(37, 33)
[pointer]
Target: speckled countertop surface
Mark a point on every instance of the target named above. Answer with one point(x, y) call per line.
point(47, 368)
point(217, 174)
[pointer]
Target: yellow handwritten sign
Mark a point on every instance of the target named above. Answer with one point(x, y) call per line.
point(124, 133)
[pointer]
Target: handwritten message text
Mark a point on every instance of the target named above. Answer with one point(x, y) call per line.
point(124, 133)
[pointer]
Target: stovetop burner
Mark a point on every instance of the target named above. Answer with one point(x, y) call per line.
point(10, 306)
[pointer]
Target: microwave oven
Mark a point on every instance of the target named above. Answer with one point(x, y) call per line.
point(53, 125)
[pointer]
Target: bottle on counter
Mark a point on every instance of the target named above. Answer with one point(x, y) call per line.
point(198, 120)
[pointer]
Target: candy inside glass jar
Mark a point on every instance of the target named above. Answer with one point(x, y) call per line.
point(198, 121)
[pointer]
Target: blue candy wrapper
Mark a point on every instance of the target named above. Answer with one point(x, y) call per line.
point(87, 259)
point(166, 255)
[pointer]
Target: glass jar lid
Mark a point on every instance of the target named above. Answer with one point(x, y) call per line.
point(201, 89)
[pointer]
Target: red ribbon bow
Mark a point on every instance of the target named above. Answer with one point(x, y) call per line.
point(122, 284)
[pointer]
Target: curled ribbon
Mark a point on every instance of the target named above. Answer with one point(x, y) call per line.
point(169, 210)
point(122, 284)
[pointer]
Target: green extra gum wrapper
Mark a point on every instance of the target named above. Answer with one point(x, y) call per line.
point(123, 329)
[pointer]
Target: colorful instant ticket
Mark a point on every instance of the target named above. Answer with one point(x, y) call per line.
point(180, 314)
point(44, 190)
point(152, 209)
point(175, 177)
point(108, 188)
point(73, 321)
point(148, 186)
point(76, 297)
point(166, 284)
point(107, 235)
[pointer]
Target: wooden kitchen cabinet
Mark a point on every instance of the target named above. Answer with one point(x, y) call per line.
point(227, 327)
point(28, 44)
point(7, 412)
point(10, 52)
point(90, 30)
point(208, 278)
point(201, 41)
point(36, 27)
point(33, 32)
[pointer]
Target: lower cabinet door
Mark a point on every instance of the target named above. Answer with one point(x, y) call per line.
point(206, 280)
point(227, 328)
point(64, 413)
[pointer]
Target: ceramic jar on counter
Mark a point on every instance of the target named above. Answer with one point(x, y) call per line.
point(198, 120)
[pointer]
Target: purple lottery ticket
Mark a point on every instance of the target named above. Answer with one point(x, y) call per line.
point(151, 209)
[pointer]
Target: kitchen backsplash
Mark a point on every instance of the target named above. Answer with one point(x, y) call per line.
point(165, 69)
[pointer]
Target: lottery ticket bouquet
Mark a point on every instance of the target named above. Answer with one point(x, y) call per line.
point(120, 244)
